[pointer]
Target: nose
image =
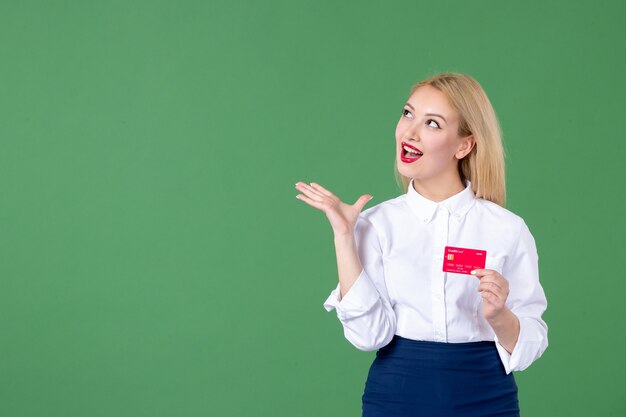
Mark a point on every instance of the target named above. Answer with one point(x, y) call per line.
point(411, 132)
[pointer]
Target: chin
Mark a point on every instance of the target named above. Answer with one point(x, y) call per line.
point(403, 171)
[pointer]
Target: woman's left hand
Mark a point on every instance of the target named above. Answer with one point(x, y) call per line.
point(494, 289)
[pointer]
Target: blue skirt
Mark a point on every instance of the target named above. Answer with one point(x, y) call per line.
point(411, 378)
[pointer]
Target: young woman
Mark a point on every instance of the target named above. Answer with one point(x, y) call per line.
point(412, 284)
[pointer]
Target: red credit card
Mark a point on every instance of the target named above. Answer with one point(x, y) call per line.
point(463, 260)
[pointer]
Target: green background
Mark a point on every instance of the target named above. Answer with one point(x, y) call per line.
point(154, 258)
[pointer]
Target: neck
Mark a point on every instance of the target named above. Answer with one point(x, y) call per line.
point(438, 189)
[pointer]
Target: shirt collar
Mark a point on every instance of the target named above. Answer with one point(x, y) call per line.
point(456, 205)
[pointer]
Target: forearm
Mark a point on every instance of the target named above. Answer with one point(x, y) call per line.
point(348, 263)
point(506, 326)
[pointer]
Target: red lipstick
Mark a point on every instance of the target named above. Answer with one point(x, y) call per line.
point(406, 157)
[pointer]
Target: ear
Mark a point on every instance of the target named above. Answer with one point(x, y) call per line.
point(465, 147)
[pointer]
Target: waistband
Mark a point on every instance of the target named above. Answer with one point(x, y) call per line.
point(429, 353)
point(403, 341)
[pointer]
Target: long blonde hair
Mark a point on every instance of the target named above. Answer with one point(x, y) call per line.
point(484, 165)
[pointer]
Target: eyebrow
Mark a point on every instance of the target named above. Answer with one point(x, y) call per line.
point(428, 114)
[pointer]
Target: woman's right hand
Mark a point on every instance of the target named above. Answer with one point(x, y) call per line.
point(342, 216)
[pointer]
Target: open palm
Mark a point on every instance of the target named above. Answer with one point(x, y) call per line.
point(342, 216)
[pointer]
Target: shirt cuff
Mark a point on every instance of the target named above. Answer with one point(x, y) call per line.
point(523, 350)
point(359, 299)
point(508, 359)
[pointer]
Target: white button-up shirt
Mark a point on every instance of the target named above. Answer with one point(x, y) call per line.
point(403, 290)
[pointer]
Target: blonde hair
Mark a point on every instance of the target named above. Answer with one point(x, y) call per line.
point(484, 165)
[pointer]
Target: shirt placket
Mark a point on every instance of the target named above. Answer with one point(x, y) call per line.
point(438, 298)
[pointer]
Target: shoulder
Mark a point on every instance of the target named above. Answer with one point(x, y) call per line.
point(383, 216)
point(375, 223)
point(384, 211)
point(499, 216)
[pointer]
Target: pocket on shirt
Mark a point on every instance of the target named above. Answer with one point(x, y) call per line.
point(494, 262)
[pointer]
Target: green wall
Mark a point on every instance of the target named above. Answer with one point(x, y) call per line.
point(154, 260)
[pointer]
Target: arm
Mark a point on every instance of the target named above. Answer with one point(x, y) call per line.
point(361, 299)
point(348, 264)
point(506, 328)
point(525, 304)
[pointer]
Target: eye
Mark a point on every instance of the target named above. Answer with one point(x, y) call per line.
point(405, 112)
point(432, 121)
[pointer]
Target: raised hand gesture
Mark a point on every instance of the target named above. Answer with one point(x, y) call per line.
point(342, 216)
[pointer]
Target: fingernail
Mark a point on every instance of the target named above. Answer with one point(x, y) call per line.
point(473, 272)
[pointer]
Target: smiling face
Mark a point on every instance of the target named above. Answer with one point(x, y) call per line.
point(429, 125)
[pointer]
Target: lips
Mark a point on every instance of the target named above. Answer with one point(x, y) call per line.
point(407, 157)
